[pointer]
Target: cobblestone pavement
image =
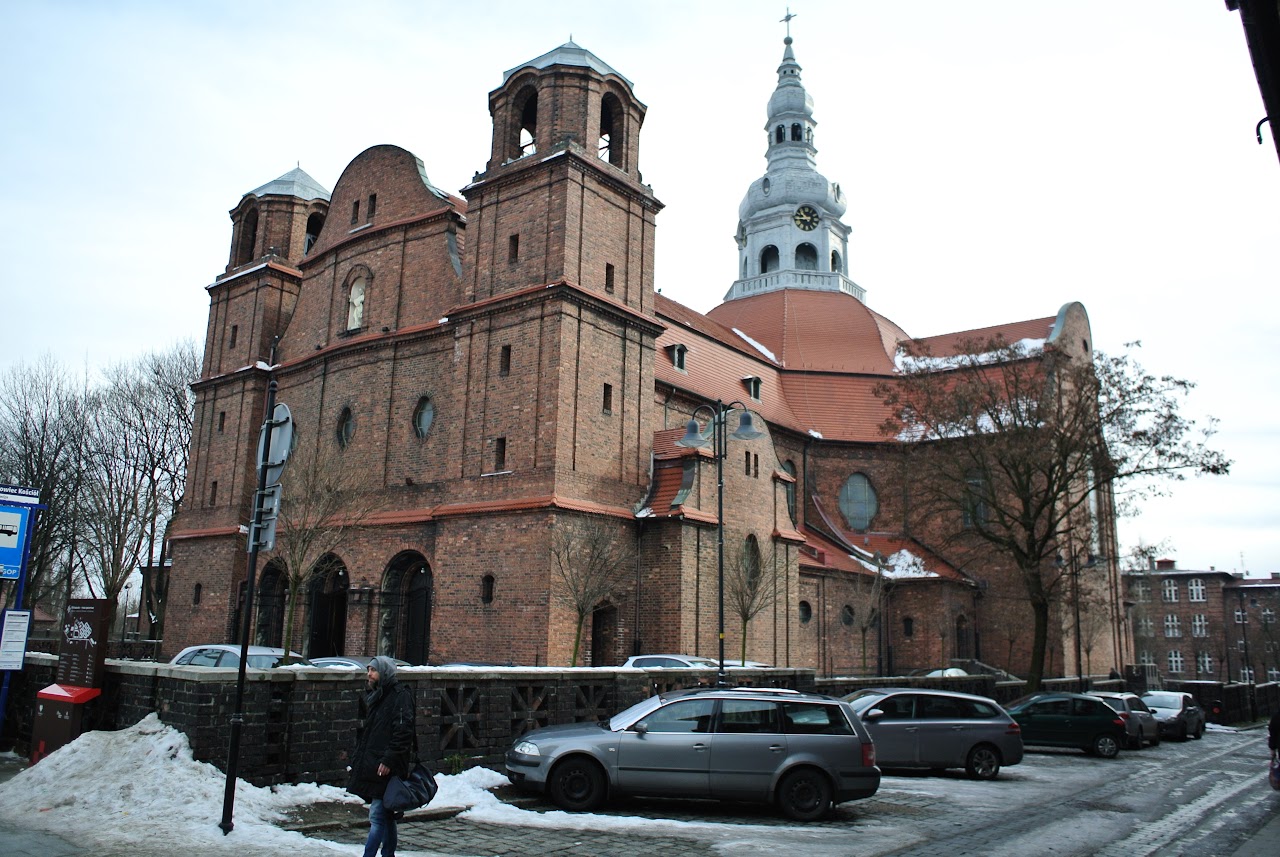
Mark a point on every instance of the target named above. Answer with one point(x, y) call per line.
point(1204, 798)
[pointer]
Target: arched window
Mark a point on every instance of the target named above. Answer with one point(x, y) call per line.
point(1170, 590)
point(846, 616)
point(807, 257)
point(835, 262)
point(195, 593)
point(246, 251)
point(314, 224)
point(423, 415)
point(908, 626)
point(486, 589)
point(346, 427)
point(769, 259)
point(781, 134)
point(611, 143)
point(858, 502)
point(797, 135)
point(528, 131)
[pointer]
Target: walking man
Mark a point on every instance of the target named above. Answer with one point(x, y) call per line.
point(384, 740)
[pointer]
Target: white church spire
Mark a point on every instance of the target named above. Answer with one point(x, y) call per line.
point(790, 235)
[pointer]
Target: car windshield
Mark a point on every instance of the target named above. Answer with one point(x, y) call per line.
point(1162, 700)
point(625, 718)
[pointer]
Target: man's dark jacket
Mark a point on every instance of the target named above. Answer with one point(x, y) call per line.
point(384, 737)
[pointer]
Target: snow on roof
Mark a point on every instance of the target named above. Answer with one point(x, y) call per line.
point(905, 362)
point(904, 564)
point(756, 345)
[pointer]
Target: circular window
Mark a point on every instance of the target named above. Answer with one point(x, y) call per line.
point(858, 502)
point(423, 416)
point(806, 612)
point(346, 427)
point(846, 616)
point(765, 187)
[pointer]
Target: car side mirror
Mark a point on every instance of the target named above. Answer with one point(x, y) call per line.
point(873, 715)
point(640, 729)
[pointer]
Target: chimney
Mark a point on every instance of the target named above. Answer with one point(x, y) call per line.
point(1165, 565)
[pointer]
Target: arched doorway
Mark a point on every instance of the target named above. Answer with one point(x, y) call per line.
point(604, 637)
point(328, 603)
point(404, 624)
point(269, 630)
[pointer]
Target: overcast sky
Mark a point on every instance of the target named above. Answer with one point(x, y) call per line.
point(1000, 159)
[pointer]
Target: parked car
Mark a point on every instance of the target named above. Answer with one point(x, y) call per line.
point(344, 662)
point(227, 655)
point(944, 672)
point(1139, 722)
point(918, 728)
point(1179, 714)
point(1070, 720)
point(672, 662)
point(803, 752)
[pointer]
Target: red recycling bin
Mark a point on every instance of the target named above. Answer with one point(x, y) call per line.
point(59, 712)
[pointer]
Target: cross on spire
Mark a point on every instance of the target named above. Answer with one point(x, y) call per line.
point(787, 21)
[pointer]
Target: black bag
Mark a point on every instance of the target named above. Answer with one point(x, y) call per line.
point(412, 792)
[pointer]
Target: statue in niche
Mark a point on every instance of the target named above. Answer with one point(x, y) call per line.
point(355, 305)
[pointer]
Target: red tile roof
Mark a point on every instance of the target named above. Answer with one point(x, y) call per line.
point(946, 344)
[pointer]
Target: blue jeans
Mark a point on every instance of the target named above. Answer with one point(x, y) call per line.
point(382, 831)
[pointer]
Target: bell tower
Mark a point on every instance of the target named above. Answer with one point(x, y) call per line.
point(559, 323)
point(790, 232)
point(561, 198)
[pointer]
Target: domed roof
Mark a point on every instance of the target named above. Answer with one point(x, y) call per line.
point(790, 187)
point(815, 330)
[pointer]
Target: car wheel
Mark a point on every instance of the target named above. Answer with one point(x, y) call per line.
point(804, 795)
point(1182, 734)
point(1135, 743)
point(577, 785)
point(1106, 746)
point(983, 762)
point(1155, 739)
point(1199, 733)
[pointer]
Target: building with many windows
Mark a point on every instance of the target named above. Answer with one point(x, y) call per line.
point(1210, 625)
point(501, 371)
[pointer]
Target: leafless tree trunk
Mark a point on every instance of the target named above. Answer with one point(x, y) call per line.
point(750, 586)
point(589, 559)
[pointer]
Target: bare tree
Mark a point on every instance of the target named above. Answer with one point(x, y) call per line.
point(867, 596)
point(588, 559)
point(323, 502)
point(42, 446)
point(750, 586)
point(1009, 446)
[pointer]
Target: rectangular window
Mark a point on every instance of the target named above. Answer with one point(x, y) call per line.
point(234, 330)
point(513, 248)
point(504, 360)
point(355, 211)
point(500, 454)
point(608, 278)
point(755, 465)
point(213, 492)
point(373, 204)
point(222, 421)
point(608, 399)
point(1242, 618)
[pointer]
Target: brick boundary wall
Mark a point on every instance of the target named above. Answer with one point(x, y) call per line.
point(299, 724)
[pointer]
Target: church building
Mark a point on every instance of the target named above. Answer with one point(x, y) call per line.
point(501, 372)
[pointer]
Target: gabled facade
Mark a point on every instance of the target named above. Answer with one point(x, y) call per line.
point(501, 371)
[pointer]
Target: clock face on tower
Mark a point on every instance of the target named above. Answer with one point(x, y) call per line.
point(806, 217)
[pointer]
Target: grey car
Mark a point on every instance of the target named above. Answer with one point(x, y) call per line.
point(803, 752)
point(936, 729)
point(1179, 714)
point(1138, 719)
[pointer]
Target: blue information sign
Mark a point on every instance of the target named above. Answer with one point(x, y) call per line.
point(14, 521)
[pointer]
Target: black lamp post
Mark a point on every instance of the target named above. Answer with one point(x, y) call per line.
point(719, 440)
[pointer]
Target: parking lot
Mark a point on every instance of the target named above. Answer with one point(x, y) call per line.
point(1203, 798)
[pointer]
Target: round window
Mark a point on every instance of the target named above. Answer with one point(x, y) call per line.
point(806, 612)
point(423, 416)
point(858, 502)
point(846, 616)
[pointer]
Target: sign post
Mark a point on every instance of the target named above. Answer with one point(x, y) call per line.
point(19, 508)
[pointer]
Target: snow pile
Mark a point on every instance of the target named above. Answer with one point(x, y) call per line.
point(142, 784)
point(905, 564)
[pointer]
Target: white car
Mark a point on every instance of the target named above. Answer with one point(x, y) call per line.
point(672, 662)
point(227, 656)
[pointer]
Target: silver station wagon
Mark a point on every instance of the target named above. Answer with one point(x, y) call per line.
point(937, 729)
point(803, 752)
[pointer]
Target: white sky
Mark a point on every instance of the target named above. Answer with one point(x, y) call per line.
point(1000, 158)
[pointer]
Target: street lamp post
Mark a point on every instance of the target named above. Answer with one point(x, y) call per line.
point(1075, 568)
point(719, 440)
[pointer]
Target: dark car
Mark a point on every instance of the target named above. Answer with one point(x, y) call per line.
point(803, 752)
point(936, 729)
point(1138, 718)
point(1070, 720)
point(1179, 715)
